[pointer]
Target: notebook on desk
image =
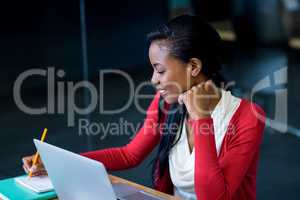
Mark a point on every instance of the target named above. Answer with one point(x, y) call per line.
point(37, 184)
point(10, 189)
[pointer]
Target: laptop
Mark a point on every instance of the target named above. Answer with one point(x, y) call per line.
point(75, 177)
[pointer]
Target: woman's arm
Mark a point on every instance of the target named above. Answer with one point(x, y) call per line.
point(136, 151)
point(220, 178)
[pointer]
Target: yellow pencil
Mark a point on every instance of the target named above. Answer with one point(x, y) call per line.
point(36, 157)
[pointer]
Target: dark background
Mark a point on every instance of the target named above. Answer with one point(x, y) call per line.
point(41, 34)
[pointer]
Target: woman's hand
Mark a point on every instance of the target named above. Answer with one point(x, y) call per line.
point(37, 170)
point(199, 100)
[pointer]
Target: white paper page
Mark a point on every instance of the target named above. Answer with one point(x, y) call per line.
point(3, 197)
point(37, 183)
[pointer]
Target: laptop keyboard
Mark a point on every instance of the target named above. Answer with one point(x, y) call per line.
point(140, 196)
point(125, 192)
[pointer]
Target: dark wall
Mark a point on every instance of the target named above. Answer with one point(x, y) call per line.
point(46, 33)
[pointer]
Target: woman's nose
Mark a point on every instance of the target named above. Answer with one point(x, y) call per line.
point(154, 79)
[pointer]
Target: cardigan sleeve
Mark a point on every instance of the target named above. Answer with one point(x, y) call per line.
point(130, 155)
point(220, 178)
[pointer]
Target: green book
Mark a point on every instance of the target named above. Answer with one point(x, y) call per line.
point(11, 190)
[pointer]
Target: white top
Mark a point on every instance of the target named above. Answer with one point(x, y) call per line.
point(182, 162)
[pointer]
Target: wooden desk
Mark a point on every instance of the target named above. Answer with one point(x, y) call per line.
point(115, 179)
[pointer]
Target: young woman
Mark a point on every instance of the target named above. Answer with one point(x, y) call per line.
point(208, 139)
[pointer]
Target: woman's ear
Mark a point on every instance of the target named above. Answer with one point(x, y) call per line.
point(196, 66)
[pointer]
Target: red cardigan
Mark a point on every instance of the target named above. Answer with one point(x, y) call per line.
point(229, 176)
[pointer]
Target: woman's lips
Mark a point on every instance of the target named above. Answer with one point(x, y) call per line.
point(163, 92)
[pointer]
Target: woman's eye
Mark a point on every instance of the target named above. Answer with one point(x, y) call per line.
point(160, 72)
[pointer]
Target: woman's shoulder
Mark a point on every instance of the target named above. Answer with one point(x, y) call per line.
point(249, 114)
point(247, 124)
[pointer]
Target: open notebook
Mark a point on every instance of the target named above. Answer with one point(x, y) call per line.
point(37, 184)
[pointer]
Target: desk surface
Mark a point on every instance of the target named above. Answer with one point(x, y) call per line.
point(115, 179)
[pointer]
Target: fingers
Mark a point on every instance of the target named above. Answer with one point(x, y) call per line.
point(210, 86)
point(36, 170)
point(40, 173)
point(203, 88)
point(180, 100)
point(25, 169)
point(27, 163)
point(181, 97)
point(212, 90)
point(207, 88)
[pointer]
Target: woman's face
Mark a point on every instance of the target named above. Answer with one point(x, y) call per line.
point(170, 76)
